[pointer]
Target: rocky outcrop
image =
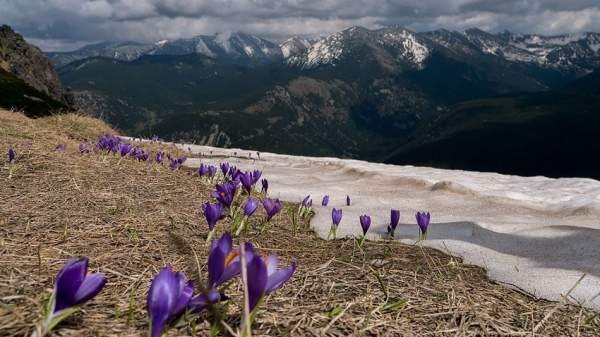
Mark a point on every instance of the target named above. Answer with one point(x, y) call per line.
point(29, 63)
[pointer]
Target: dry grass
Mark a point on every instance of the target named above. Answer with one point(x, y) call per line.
point(131, 219)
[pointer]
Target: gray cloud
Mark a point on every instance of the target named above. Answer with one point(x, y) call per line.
point(66, 24)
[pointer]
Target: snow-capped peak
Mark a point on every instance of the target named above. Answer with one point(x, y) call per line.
point(160, 43)
point(405, 46)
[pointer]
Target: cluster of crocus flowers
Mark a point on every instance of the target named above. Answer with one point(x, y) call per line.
point(112, 144)
point(336, 218)
point(207, 170)
point(394, 220)
point(225, 192)
point(249, 179)
point(423, 222)
point(176, 163)
point(365, 224)
point(72, 288)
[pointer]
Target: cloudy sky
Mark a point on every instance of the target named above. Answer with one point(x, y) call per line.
point(67, 24)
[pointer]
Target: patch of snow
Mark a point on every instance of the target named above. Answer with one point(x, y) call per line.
point(411, 49)
point(248, 50)
point(224, 40)
point(203, 49)
point(537, 233)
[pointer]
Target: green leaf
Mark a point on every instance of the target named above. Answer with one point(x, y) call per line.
point(60, 316)
point(394, 306)
point(335, 311)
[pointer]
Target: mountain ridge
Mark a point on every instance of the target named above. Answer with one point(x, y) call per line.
point(574, 52)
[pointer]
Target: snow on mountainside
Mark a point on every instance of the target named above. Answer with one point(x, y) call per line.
point(404, 45)
point(294, 46)
point(234, 46)
point(577, 52)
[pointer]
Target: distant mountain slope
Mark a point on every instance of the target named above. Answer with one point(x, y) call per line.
point(18, 95)
point(28, 63)
point(126, 51)
point(552, 133)
point(380, 85)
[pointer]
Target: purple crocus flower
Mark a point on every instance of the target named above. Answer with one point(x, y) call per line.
point(325, 200)
point(12, 154)
point(224, 168)
point(83, 148)
point(347, 200)
point(203, 170)
point(250, 207)
point(212, 170)
point(133, 153)
point(225, 193)
point(235, 173)
point(247, 181)
point(160, 157)
point(212, 212)
point(168, 297)
point(74, 287)
point(394, 219)
point(60, 147)
point(272, 207)
point(174, 164)
point(336, 216)
point(365, 223)
point(306, 201)
point(256, 174)
point(125, 148)
point(223, 261)
point(264, 277)
point(143, 156)
point(423, 222)
point(265, 186)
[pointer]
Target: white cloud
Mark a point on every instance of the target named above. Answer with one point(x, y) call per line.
point(151, 20)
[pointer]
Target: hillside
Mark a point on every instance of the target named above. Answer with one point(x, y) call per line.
point(526, 134)
point(18, 95)
point(132, 217)
point(29, 64)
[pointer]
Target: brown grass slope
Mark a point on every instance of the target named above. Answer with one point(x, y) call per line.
point(130, 219)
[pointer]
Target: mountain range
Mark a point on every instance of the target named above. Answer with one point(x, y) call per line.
point(441, 98)
point(565, 52)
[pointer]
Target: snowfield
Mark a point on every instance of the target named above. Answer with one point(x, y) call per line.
point(537, 234)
